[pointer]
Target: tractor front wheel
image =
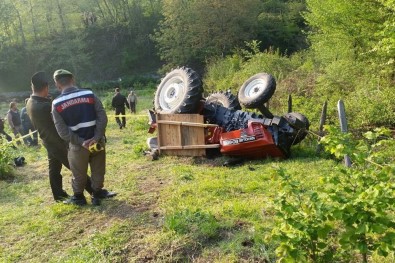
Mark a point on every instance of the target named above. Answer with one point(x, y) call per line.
point(257, 90)
point(224, 99)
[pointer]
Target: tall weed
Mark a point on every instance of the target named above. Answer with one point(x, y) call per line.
point(6, 158)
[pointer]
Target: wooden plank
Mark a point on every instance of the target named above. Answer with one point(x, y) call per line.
point(175, 136)
point(169, 134)
point(184, 123)
point(188, 147)
point(206, 146)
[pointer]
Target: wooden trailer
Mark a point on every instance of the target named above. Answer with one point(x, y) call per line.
point(182, 134)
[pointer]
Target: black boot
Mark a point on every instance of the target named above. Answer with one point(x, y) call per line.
point(104, 193)
point(96, 198)
point(61, 196)
point(76, 199)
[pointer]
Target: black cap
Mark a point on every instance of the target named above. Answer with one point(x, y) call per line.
point(39, 79)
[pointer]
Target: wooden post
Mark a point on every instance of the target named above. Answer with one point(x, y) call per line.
point(343, 126)
point(323, 118)
point(289, 103)
point(322, 123)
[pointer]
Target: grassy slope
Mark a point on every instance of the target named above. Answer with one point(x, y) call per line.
point(173, 209)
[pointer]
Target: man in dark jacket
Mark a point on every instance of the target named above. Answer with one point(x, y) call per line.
point(119, 102)
point(39, 110)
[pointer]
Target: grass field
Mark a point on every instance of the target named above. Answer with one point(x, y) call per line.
point(175, 209)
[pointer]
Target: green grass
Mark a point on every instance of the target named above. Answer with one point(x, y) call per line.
point(176, 209)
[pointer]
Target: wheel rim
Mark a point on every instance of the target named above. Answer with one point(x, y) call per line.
point(215, 100)
point(171, 95)
point(255, 88)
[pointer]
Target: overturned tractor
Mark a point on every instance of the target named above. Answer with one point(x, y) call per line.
point(239, 133)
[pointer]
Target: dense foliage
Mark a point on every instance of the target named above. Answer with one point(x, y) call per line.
point(96, 39)
point(351, 57)
point(349, 215)
point(107, 39)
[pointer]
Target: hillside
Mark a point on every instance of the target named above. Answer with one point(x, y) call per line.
point(175, 209)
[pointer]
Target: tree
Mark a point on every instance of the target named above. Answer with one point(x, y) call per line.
point(352, 44)
point(352, 30)
point(97, 39)
point(6, 24)
point(281, 25)
point(385, 47)
point(191, 31)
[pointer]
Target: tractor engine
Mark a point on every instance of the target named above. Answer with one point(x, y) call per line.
point(285, 131)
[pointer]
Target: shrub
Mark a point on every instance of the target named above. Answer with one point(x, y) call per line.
point(368, 96)
point(231, 72)
point(220, 73)
point(350, 214)
point(6, 158)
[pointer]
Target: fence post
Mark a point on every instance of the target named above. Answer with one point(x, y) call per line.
point(289, 103)
point(343, 126)
point(322, 123)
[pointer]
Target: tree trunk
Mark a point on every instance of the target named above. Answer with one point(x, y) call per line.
point(33, 20)
point(20, 26)
point(109, 11)
point(60, 13)
point(48, 17)
point(100, 9)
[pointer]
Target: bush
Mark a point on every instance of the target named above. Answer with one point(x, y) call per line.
point(372, 106)
point(6, 159)
point(230, 73)
point(220, 72)
point(348, 216)
point(368, 96)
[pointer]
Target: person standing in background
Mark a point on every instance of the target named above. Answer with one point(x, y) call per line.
point(27, 127)
point(132, 100)
point(118, 103)
point(14, 119)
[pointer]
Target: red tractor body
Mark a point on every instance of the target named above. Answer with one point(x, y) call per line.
point(254, 142)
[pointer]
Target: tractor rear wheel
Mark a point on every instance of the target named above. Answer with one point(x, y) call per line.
point(179, 92)
point(227, 100)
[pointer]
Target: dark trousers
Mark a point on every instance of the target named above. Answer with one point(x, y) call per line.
point(117, 119)
point(56, 158)
point(132, 107)
point(30, 140)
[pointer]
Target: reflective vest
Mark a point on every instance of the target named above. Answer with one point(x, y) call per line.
point(77, 108)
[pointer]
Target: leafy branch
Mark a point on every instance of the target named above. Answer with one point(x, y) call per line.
point(350, 212)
